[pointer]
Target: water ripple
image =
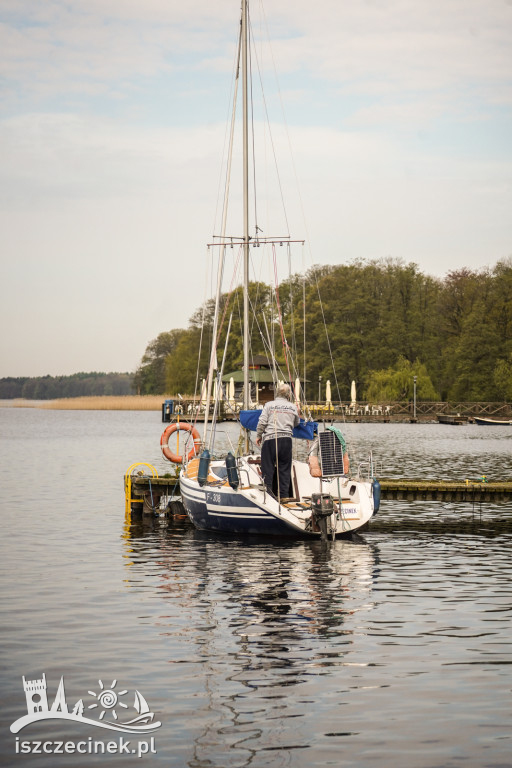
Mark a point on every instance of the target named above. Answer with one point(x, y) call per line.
point(393, 648)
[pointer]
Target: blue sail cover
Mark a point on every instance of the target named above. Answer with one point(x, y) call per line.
point(304, 431)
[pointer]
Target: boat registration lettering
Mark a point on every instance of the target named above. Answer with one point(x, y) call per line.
point(212, 497)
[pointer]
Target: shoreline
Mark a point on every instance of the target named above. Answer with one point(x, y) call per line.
point(92, 403)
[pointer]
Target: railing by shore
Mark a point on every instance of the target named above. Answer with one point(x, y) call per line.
point(408, 411)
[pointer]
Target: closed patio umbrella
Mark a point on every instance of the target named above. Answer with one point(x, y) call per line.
point(297, 391)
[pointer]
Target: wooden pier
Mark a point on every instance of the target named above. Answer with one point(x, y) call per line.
point(435, 490)
point(145, 492)
point(422, 412)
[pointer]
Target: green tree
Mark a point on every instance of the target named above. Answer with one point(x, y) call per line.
point(397, 383)
point(75, 385)
point(457, 300)
point(503, 378)
point(181, 366)
point(358, 321)
point(188, 363)
point(150, 376)
point(373, 312)
point(478, 332)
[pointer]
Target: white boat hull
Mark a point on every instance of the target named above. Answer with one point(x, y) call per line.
point(250, 509)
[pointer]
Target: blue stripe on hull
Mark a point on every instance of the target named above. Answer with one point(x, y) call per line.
point(231, 513)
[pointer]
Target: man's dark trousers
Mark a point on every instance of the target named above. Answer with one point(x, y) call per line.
point(276, 454)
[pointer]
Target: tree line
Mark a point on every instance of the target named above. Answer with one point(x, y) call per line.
point(379, 323)
point(75, 385)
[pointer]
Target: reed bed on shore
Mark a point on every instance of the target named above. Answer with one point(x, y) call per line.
point(100, 403)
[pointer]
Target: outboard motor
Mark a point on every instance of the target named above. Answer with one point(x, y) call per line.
point(322, 506)
point(233, 478)
point(376, 495)
point(204, 465)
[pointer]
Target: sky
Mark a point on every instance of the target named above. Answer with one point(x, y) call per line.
point(113, 115)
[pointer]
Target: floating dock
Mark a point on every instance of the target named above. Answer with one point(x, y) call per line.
point(418, 490)
point(143, 493)
point(452, 418)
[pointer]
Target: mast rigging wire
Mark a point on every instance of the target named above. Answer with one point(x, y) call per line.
point(289, 352)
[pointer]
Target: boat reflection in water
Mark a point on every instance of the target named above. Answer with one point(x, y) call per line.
point(309, 585)
point(299, 652)
point(257, 634)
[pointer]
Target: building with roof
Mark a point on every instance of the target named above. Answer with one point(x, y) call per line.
point(261, 380)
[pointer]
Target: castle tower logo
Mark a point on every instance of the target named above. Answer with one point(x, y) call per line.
point(109, 704)
point(35, 692)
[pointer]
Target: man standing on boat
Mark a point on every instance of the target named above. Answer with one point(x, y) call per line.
point(274, 434)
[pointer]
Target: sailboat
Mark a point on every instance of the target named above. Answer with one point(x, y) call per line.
point(227, 494)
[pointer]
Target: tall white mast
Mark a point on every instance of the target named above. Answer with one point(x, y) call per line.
point(245, 201)
point(220, 273)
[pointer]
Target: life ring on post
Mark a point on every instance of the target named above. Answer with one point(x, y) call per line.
point(181, 426)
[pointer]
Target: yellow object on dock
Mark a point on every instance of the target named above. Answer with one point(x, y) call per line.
point(128, 498)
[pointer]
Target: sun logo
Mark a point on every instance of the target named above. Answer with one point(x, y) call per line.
point(107, 699)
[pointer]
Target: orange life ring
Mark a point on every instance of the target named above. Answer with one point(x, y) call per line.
point(179, 427)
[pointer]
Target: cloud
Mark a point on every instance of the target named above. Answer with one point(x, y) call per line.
point(400, 38)
point(49, 156)
point(54, 49)
point(72, 47)
point(111, 138)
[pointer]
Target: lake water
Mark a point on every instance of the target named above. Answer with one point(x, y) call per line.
point(391, 650)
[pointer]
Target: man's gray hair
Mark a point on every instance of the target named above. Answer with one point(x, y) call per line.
point(284, 390)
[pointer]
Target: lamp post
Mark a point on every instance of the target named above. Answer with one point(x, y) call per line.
point(319, 389)
point(415, 379)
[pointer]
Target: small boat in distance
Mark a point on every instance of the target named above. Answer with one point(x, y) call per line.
point(483, 421)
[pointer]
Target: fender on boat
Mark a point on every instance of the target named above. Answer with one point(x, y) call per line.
point(204, 465)
point(233, 477)
point(376, 495)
